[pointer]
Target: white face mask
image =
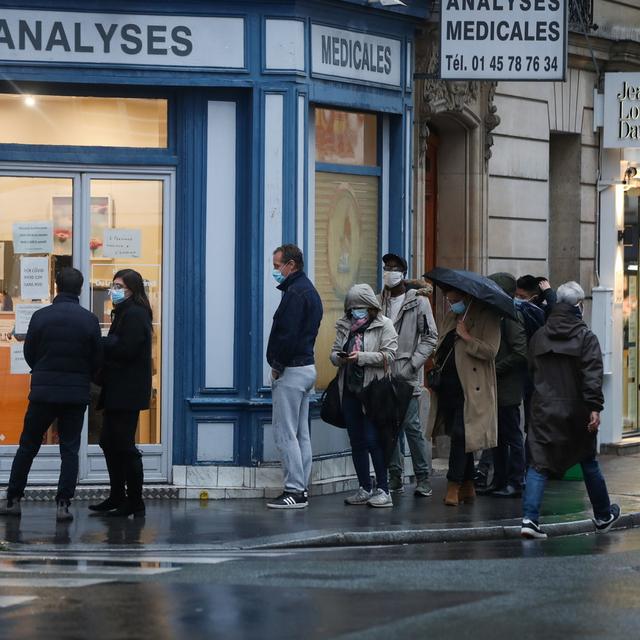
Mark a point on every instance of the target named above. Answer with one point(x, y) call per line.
point(392, 279)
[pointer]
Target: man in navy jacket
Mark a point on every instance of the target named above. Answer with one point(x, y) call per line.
point(293, 372)
point(64, 350)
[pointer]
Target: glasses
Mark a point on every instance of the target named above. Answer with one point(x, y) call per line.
point(393, 268)
point(117, 287)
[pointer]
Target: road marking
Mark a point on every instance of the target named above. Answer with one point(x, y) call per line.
point(54, 583)
point(12, 601)
point(85, 568)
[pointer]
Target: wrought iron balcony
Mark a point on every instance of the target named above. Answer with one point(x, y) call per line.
point(580, 15)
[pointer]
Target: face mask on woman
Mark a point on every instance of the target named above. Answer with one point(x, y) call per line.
point(458, 307)
point(117, 295)
point(391, 279)
point(359, 314)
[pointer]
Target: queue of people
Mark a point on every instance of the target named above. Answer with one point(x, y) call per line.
point(502, 343)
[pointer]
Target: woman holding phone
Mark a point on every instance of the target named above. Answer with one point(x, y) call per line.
point(126, 391)
point(365, 347)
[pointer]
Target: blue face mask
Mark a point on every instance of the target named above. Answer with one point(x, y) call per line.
point(359, 314)
point(117, 295)
point(519, 301)
point(277, 276)
point(458, 307)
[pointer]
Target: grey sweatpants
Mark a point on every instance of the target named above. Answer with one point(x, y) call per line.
point(290, 395)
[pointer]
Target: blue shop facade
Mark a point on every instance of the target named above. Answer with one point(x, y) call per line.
point(187, 140)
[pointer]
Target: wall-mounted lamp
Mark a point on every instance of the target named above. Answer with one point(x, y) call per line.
point(29, 101)
point(629, 175)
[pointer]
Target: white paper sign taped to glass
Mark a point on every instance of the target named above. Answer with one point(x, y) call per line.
point(121, 243)
point(18, 363)
point(352, 55)
point(621, 110)
point(33, 237)
point(503, 39)
point(23, 316)
point(34, 278)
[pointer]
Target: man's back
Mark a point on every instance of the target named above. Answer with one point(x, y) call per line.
point(63, 349)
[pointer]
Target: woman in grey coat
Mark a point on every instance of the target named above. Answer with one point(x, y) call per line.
point(364, 349)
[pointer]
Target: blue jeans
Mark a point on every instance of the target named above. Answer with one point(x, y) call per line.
point(593, 480)
point(364, 440)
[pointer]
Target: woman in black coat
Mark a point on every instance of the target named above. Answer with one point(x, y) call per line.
point(126, 391)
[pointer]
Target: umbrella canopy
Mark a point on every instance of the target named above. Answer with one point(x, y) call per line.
point(474, 284)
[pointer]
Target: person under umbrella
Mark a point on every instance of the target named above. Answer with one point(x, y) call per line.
point(464, 405)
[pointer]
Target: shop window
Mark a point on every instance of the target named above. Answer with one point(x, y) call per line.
point(83, 121)
point(346, 217)
point(630, 312)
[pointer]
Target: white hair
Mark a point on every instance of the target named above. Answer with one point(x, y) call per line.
point(570, 292)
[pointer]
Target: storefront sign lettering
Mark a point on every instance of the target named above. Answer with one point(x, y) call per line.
point(355, 56)
point(621, 110)
point(503, 39)
point(45, 36)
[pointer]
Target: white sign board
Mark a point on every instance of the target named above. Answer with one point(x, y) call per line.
point(503, 39)
point(18, 363)
point(351, 55)
point(33, 237)
point(121, 243)
point(34, 278)
point(123, 39)
point(621, 110)
point(23, 316)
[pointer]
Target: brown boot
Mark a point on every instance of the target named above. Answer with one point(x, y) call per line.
point(467, 492)
point(452, 498)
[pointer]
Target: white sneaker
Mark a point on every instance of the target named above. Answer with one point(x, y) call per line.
point(380, 498)
point(361, 496)
point(531, 530)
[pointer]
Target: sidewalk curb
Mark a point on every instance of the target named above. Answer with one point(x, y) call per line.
point(422, 536)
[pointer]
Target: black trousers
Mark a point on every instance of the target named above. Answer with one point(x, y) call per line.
point(39, 417)
point(508, 456)
point(124, 460)
point(461, 466)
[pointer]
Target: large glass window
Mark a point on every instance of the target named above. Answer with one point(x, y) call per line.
point(630, 312)
point(83, 121)
point(346, 217)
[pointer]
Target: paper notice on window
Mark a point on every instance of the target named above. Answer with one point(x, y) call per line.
point(23, 316)
point(34, 278)
point(33, 237)
point(1, 260)
point(121, 243)
point(18, 363)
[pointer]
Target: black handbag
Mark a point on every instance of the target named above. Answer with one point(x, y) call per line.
point(331, 405)
point(434, 376)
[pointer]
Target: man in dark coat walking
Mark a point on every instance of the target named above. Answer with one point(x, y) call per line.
point(566, 366)
point(64, 351)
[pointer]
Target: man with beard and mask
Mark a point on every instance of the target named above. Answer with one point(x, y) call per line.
point(566, 366)
point(413, 320)
point(293, 372)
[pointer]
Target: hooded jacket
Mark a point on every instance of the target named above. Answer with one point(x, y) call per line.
point(417, 336)
point(380, 338)
point(566, 367)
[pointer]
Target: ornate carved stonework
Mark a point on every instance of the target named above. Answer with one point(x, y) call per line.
point(491, 120)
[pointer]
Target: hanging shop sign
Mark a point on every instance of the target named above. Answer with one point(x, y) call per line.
point(503, 39)
point(351, 55)
point(105, 38)
point(621, 110)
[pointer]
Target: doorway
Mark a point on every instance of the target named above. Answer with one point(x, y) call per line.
point(99, 222)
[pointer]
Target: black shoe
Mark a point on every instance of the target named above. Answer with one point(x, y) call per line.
point(531, 530)
point(289, 500)
point(12, 508)
point(126, 509)
point(62, 513)
point(602, 526)
point(490, 490)
point(480, 479)
point(507, 492)
point(106, 505)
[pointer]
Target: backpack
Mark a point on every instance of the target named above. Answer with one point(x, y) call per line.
point(533, 317)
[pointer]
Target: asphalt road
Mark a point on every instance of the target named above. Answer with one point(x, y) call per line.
point(576, 587)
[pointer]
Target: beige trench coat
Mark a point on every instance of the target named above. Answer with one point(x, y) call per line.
point(475, 362)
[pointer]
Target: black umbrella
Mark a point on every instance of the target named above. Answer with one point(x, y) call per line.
point(474, 284)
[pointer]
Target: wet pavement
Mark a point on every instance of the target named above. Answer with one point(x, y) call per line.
point(248, 523)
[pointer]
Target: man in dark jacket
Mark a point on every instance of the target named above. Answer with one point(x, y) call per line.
point(293, 372)
point(511, 365)
point(63, 349)
point(538, 291)
point(566, 365)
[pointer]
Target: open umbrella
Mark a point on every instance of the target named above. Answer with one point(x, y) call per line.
point(474, 284)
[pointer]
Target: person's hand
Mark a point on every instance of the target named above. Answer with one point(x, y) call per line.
point(462, 331)
point(275, 374)
point(594, 422)
point(544, 285)
point(352, 357)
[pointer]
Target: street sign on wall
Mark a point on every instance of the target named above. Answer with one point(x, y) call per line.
point(621, 110)
point(503, 39)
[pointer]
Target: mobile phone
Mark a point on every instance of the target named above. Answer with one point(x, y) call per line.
point(343, 354)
